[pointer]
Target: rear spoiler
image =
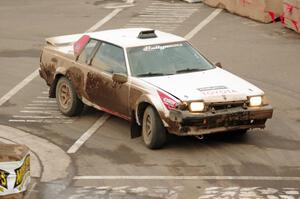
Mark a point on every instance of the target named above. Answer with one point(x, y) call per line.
point(63, 40)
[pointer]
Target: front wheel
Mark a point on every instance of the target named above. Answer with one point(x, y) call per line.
point(68, 102)
point(154, 132)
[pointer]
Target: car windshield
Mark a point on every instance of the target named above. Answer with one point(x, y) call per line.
point(166, 59)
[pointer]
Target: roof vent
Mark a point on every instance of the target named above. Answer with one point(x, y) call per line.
point(147, 34)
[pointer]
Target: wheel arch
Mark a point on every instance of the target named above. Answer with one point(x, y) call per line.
point(52, 90)
point(143, 103)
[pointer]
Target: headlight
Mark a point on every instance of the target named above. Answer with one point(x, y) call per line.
point(255, 101)
point(196, 106)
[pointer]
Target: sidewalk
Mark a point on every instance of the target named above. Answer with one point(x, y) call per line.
point(50, 167)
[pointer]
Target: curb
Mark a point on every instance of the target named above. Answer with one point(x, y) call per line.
point(54, 162)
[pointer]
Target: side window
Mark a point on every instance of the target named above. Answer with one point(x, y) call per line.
point(87, 51)
point(110, 58)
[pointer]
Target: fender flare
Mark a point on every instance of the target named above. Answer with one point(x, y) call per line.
point(150, 100)
point(60, 71)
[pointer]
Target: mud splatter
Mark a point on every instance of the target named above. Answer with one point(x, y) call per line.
point(77, 78)
point(47, 72)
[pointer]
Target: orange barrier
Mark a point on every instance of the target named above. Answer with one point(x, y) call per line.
point(291, 14)
point(264, 11)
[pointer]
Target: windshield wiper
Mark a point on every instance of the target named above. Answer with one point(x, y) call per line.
point(189, 70)
point(152, 74)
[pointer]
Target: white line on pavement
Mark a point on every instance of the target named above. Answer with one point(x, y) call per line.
point(39, 117)
point(48, 121)
point(258, 178)
point(35, 73)
point(44, 101)
point(43, 105)
point(105, 19)
point(88, 133)
point(42, 112)
point(28, 194)
point(203, 23)
point(18, 87)
point(40, 108)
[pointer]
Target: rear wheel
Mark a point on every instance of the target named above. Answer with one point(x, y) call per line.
point(68, 102)
point(153, 130)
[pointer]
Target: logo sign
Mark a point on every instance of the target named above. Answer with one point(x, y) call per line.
point(3, 179)
point(216, 90)
point(21, 171)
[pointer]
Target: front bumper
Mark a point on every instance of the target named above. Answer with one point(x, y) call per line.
point(187, 123)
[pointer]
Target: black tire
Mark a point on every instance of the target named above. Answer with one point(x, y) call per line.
point(68, 102)
point(153, 130)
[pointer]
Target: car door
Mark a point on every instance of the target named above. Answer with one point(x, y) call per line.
point(100, 87)
point(77, 72)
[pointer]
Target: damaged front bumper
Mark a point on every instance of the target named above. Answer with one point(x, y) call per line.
point(187, 123)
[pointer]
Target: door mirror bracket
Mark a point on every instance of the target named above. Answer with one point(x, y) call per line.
point(218, 64)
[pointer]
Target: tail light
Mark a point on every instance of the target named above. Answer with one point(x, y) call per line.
point(167, 101)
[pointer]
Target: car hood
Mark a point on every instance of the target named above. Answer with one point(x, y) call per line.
point(215, 85)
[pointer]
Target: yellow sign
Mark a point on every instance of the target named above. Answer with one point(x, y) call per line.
point(21, 171)
point(3, 179)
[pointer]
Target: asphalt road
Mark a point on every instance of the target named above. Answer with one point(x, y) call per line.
point(265, 163)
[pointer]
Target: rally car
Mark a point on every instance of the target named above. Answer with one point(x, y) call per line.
point(154, 79)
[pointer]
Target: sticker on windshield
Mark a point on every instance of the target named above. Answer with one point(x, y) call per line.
point(161, 47)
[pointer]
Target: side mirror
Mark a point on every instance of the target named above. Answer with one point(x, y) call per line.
point(120, 78)
point(218, 64)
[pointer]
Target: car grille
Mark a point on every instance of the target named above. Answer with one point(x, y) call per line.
point(224, 106)
point(220, 122)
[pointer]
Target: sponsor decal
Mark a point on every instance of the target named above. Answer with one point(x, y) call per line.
point(212, 88)
point(216, 90)
point(161, 47)
point(22, 171)
point(3, 180)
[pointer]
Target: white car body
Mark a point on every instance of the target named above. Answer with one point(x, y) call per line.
point(225, 96)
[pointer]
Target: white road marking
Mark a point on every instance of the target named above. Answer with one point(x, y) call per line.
point(18, 87)
point(17, 120)
point(88, 133)
point(39, 117)
point(203, 23)
point(42, 105)
point(104, 20)
point(48, 121)
point(40, 108)
point(162, 16)
point(44, 101)
point(248, 192)
point(42, 112)
point(256, 178)
point(30, 191)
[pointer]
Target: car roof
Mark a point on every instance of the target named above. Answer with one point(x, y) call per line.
point(128, 37)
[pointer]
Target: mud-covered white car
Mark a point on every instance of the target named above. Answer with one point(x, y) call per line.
point(156, 80)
